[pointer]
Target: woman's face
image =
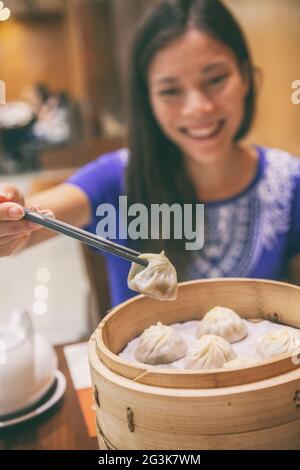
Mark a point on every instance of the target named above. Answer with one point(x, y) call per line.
point(197, 94)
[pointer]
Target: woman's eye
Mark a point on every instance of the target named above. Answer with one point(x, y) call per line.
point(169, 92)
point(217, 80)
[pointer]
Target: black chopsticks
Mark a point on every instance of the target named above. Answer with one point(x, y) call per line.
point(84, 236)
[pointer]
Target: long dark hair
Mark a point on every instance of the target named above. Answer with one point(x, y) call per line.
point(156, 172)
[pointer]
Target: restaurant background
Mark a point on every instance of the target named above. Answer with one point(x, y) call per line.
point(79, 48)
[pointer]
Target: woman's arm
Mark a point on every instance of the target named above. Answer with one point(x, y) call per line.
point(71, 202)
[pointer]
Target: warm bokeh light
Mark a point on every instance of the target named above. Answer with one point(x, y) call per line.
point(39, 308)
point(41, 292)
point(4, 12)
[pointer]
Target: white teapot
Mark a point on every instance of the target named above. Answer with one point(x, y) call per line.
point(27, 365)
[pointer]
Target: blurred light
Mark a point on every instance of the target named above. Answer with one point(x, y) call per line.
point(4, 12)
point(39, 307)
point(41, 292)
point(43, 275)
point(2, 92)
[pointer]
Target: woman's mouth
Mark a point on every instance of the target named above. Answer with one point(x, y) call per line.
point(203, 133)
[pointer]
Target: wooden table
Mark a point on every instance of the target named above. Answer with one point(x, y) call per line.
point(61, 428)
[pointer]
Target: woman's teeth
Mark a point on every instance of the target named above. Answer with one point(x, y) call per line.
point(203, 133)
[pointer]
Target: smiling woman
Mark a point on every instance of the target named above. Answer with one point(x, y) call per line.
point(197, 94)
point(193, 90)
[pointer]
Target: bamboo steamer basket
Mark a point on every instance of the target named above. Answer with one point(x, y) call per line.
point(139, 407)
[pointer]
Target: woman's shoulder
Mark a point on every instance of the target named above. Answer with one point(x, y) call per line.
point(280, 170)
point(109, 166)
point(277, 159)
point(103, 178)
point(117, 159)
point(279, 185)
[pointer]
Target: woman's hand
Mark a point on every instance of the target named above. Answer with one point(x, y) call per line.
point(14, 232)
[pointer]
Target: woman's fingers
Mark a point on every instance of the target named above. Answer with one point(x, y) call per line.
point(11, 238)
point(14, 229)
point(10, 211)
point(10, 219)
point(10, 193)
point(48, 212)
point(12, 247)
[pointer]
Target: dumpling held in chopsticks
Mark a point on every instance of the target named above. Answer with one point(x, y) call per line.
point(158, 280)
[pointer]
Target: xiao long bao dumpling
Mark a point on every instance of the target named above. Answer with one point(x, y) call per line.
point(209, 352)
point(221, 321)
point(158, 280)
point(160, 344)
point(276, 342)
point(239, 362)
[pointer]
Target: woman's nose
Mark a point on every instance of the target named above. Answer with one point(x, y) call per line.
point(197, 102)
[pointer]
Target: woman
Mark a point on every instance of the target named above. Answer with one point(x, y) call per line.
point(192, 101)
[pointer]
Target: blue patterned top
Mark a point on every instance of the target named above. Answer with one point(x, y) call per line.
point(253, 234)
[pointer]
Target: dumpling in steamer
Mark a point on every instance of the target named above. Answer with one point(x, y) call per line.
point(276, 342)
point(239, 362)
point(221, 321)
point(209, 352)
point(160, 344)
point(158, 280)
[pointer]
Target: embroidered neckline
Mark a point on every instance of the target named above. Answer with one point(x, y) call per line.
point(255, 179)
point(237, 233)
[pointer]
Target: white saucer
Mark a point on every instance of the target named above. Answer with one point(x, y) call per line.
point(50, 399)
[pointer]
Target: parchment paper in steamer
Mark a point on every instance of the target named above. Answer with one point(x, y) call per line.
point(187, 330)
